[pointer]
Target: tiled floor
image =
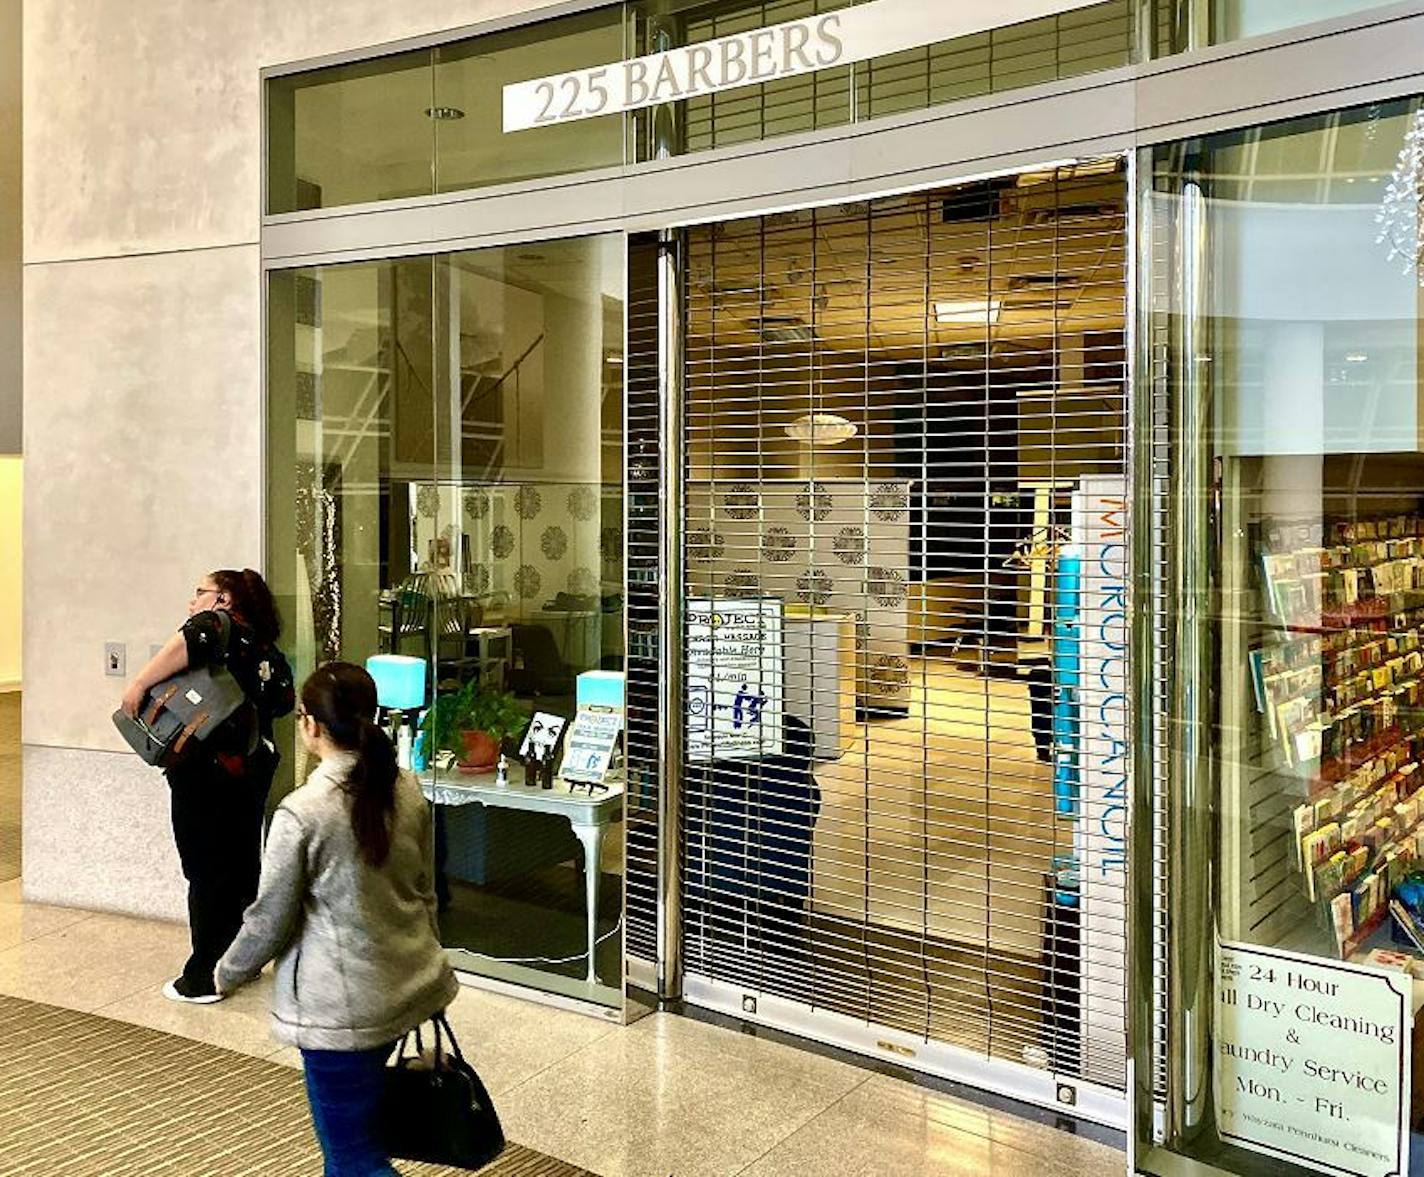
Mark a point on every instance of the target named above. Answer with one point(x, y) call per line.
point(88, 1096)
point(665, 1096)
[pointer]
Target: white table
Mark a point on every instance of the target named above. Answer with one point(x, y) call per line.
point(588, 814)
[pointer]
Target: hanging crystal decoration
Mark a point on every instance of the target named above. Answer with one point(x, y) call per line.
point(1398, 215)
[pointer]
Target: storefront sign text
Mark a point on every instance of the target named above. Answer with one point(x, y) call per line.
point(1100, 835)
point(763, 55)
point(1311, 1060)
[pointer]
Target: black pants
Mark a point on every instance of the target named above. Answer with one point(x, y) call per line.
point(217, 824)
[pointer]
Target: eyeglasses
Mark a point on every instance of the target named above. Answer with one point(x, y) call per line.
point(301, 712)
point(201, 589)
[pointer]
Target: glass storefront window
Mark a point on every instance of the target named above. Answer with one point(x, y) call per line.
point(446, 474)
point(1078, 42)
point(1292, 340)
point(429, 121)
point(1179, 25)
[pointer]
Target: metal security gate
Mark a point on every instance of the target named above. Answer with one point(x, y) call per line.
point(904, 777)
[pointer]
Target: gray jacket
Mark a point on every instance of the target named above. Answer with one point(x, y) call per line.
point(358, 952)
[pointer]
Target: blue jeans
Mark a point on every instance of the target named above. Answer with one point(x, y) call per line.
point(344, 1090)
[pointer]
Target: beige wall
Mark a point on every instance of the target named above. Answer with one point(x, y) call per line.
point(142, 345)
point(11, 483)
point(10, 347)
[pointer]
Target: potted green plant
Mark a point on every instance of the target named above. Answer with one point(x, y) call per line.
point(494, 717)
point(473, 723)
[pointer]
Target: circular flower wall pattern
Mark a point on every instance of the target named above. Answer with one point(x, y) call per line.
point(741, 501)
point(850, 546)
point(814, 587)
point(583, 502)
point(889, 502)
point(704, 545)
point(741, 582)
point(554, 543)
point(528, 502)
point(477, 504)
point(502, 542)
point(814, 502)
point(778, 545)
point(889, 674)
point(887, 586)
point(527, 581)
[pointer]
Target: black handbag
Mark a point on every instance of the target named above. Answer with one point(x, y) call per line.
point(440, 1114)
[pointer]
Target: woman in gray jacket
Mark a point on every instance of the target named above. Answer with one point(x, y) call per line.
point(347, 907)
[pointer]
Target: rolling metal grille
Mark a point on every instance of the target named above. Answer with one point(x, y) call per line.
point(901, 417)
point(642, 539)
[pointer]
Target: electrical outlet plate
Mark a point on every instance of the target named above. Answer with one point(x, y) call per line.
point(115, 659)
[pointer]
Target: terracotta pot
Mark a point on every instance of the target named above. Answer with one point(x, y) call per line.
point(481, 750)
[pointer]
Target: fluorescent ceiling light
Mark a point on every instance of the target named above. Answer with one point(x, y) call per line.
point(978, 310)
point(821, 429)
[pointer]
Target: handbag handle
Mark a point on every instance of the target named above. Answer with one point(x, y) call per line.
point(440, 1024)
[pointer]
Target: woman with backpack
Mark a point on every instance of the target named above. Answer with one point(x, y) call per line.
point(219, 794)
point(347, 908)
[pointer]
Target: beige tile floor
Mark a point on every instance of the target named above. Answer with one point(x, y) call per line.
point(666, 1096)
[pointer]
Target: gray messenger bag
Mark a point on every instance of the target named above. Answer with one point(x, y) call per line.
point(181, 712)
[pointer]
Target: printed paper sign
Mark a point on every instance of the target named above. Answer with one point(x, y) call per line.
point(1312, 1060)
point(734, 683)
point(764, 55)
point(588, 751)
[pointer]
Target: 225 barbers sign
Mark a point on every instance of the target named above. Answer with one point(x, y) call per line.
point(748, 59)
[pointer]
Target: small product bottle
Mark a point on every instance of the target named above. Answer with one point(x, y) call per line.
point(403, 746)
point(531, 772)
point(546, 772)
point(501, 774)
point(417, 753)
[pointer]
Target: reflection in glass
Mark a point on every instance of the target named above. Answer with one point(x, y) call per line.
point(1302, 336)
point(350, 133)
point(472, 149)
point(446, 482)
point(429, 121)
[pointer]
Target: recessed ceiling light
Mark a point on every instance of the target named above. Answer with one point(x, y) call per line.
point(971, 311)
point(444, 113)
point(1356, 357)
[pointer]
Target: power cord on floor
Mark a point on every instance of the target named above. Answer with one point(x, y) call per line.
point(613, 931)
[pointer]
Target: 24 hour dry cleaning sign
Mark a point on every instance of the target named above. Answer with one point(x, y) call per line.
point(1311, 1060)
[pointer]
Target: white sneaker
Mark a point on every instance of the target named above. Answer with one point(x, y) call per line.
point(181, 989)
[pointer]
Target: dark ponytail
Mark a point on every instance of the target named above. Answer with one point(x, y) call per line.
point(342, 698)
point(252, 602)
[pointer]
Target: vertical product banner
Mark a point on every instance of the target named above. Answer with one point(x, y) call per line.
point(735, 683)
point(1100, 833)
